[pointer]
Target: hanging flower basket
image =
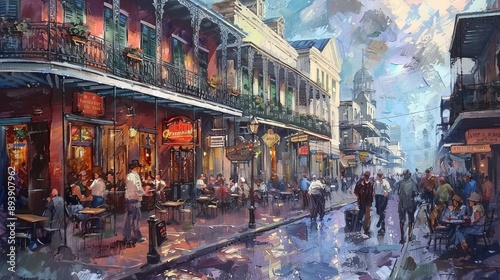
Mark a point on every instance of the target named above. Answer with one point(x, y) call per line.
point(14, 27)
point(215, 81)
point(233, 91)
point(78, 32)
point(132, 53)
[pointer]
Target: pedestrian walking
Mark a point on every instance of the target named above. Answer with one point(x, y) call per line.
point(304, 191)
point(382, 189)
point(428, 186)
point(316, 190)
point(407, 192)
point(364, 193)
point(133, 197)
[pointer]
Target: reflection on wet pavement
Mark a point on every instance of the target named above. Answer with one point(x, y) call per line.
point(304, 250)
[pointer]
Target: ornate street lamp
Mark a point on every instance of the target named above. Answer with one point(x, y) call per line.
point(253, 126)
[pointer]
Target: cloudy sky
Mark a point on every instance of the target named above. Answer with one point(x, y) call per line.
point(405, 45)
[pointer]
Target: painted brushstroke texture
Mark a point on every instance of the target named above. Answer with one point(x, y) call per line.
point(405, 46)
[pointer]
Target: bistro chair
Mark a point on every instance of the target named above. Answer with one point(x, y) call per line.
point(93, 227)
point(160, 211)
point(485, 234)
point(53, 226)
point(106, 216)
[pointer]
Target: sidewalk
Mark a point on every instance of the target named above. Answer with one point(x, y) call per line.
point(420, 261)
point(184, 242)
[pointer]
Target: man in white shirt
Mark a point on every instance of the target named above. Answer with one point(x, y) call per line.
point(133, 197)
point(382, 189)
point(316, 190)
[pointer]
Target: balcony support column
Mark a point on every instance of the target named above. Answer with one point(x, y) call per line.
point(159, 5)
point(251, 57)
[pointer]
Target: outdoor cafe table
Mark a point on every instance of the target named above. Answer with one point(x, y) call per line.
point(286, 195)
point(172, 205)
point(92, 211)
point(203, 201)
point(32, 219)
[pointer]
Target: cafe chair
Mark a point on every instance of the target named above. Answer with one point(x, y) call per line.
point(183, 212)
point(107, 215)
point(23, 236)
point(160, 211)
point(93, 227)
point(54, 226)
point(212, 207)
point(485, 234)
point(73, 219)
point(439, 234)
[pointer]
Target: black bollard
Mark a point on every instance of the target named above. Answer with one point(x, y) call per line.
point(153, 257)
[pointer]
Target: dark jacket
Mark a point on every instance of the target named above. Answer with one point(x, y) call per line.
point(364, 191)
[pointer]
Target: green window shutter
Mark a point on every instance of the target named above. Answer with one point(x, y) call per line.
point(108, 24)
point(272, 91)
point(203, 64)
point(9, 8)
point(178, 53)
point(289, 99)
point(246, 82)
point(74, 11)
point(148, 40)
point(122, 30)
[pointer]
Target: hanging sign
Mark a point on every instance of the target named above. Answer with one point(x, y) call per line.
point(88, 104)
point(483, 136)
point(299, 138)
point(178, 130)
point(303, 150)
point(270, 138)
point(241, 151)
point(470, 149)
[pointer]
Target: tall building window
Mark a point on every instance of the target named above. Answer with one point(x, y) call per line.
point(110, 30)
point(9, 8)
point(74, 11)
point(148, 39)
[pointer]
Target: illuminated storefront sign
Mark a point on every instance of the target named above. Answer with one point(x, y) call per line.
point(88, 104)
point(470, 149)
point(178, 130)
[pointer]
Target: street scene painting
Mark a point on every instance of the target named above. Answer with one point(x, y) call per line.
point(249, 139)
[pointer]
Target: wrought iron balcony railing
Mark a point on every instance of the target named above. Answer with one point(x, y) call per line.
point(46, 43)
point(256, 106)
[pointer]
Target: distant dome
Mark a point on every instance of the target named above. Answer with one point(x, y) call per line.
point(363, 75)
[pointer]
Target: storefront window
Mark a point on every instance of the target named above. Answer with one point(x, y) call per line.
point(17, 141)
point(80, 156)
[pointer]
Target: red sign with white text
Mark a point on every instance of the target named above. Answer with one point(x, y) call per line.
point(178, 130)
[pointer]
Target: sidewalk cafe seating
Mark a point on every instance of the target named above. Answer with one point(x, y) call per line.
point(53, 226)
point(93, 227)
point(212, 207)
point(160, 211)
point(106, 216)
point(485, 234)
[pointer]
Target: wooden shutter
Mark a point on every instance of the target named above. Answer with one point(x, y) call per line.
point(178, 53)
point(148, 40)
point(9, 8)
point(108, 25)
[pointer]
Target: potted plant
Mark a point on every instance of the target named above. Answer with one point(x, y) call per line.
point(78, 32)
point(9, 26)
point(233, 90)
point(132, 52)
point(215, 81)
point(259, 103)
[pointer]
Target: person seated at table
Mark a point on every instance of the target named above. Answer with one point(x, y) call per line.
point(54, 210)
point(98, 188)
point(111, 185)
point(160, 186)
point(223, 194)
point(200, 185)
point(456, 211)
point(474, 223)
point(219, 181)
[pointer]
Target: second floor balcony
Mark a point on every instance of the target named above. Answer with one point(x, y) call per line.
point(259, 107)
point(92, 53)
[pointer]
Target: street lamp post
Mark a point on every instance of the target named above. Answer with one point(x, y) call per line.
point(253, 126)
